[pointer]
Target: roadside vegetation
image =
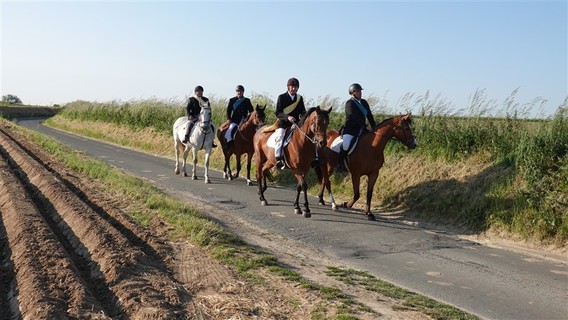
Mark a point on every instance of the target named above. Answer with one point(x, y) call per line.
point(493, 170)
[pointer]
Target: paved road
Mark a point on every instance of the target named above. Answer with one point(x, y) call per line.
point(491, 283)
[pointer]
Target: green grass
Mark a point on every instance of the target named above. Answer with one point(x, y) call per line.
point(407, 300)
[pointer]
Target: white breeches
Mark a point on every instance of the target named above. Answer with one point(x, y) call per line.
point(228, 136)
point(347, 138)
point(279, 138)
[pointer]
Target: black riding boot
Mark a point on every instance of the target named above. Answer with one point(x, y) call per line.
point(213, 145)
point(339, 167)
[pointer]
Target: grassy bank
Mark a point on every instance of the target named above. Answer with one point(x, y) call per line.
point(506, 173)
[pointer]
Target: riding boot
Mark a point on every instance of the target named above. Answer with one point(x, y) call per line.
point(213, 145)
point(280, 165)
point(340, 167)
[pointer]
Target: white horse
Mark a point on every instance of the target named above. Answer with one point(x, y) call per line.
point(201, 137)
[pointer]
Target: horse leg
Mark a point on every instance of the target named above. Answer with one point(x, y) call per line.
point(193, 172)
point(327, 183)
point(259, 179)
point(176, 146)
point(307, 213)
point(356, 179)
point(238, 157)
point(227, 168)
point(185, 154)
point(207, 154)
point(370, 188)
point(297, 209)
point(249, 159)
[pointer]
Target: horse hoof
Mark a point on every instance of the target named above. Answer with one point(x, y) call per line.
point(176, 172)
point(225, 176)
point(264, 203)
point(249, 183)
point(334, 207)
point(185, 174)
point(297, 211)
point(194, 178)
point(207, 181)
point(307, 214)
point(371, 217)
point(321, 202)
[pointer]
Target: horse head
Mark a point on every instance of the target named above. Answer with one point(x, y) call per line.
point(315, 123)
point(259, 116)
point(205, 117)
point(402, 131)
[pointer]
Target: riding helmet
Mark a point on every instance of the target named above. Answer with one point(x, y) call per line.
point(240, 88)
point(293, 82)
point(198, 88)
point(354, 87)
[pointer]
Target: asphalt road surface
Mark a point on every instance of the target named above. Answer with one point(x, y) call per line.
point(491, 283)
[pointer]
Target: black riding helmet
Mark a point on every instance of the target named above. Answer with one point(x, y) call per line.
point(240, 88)
point(198, 88)
point(354, 87)
point(293, 82)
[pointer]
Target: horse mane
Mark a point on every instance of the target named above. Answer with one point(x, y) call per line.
point(384, 122)
point(302, 119)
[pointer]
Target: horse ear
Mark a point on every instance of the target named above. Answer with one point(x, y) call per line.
point(329, 110)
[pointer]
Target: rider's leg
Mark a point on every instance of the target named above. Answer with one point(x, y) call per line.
point(279, 137)
point(213, 145)
point(230, 134)
point(347, 138)
point(187, 131)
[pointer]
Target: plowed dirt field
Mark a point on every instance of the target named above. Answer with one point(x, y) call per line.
point(68, 251)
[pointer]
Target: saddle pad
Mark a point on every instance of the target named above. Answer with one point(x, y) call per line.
point(336, 144)
point(271, 142)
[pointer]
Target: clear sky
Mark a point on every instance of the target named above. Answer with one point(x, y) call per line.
point(58, 52)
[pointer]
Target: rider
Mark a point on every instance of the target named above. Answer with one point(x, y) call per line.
point(193, 109)
point(356, 110)
point(238, 109)
point(289, 108)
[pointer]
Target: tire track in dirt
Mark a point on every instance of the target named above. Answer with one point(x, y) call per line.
point(76, 258)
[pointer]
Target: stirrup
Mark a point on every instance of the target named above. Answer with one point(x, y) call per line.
point(280, 164)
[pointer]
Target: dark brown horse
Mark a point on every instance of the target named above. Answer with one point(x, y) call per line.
point(242, 144)
point(308, 136)
point(367, 158)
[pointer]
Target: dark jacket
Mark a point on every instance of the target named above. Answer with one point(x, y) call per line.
point(285, 100)
point(193, 108)
point(242, 111)
point(355, 118)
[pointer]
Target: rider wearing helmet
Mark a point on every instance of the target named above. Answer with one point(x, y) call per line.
point(193, 110)
point(238, 109)
point(289, 107)
point(356, 111)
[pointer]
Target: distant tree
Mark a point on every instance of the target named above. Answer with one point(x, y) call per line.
point(11, 99)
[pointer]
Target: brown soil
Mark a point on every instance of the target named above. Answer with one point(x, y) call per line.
point(70, 251)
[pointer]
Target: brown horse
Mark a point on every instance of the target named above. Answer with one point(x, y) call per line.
point(367, 158)
point(242, 144)
point(308, 136)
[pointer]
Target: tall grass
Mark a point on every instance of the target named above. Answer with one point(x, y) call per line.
point(525, 189)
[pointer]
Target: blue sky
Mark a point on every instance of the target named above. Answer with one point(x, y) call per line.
point(58, 52)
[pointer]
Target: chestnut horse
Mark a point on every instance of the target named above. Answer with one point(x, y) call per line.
point(242, 143)
point(367, 158)
point(308, 136)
